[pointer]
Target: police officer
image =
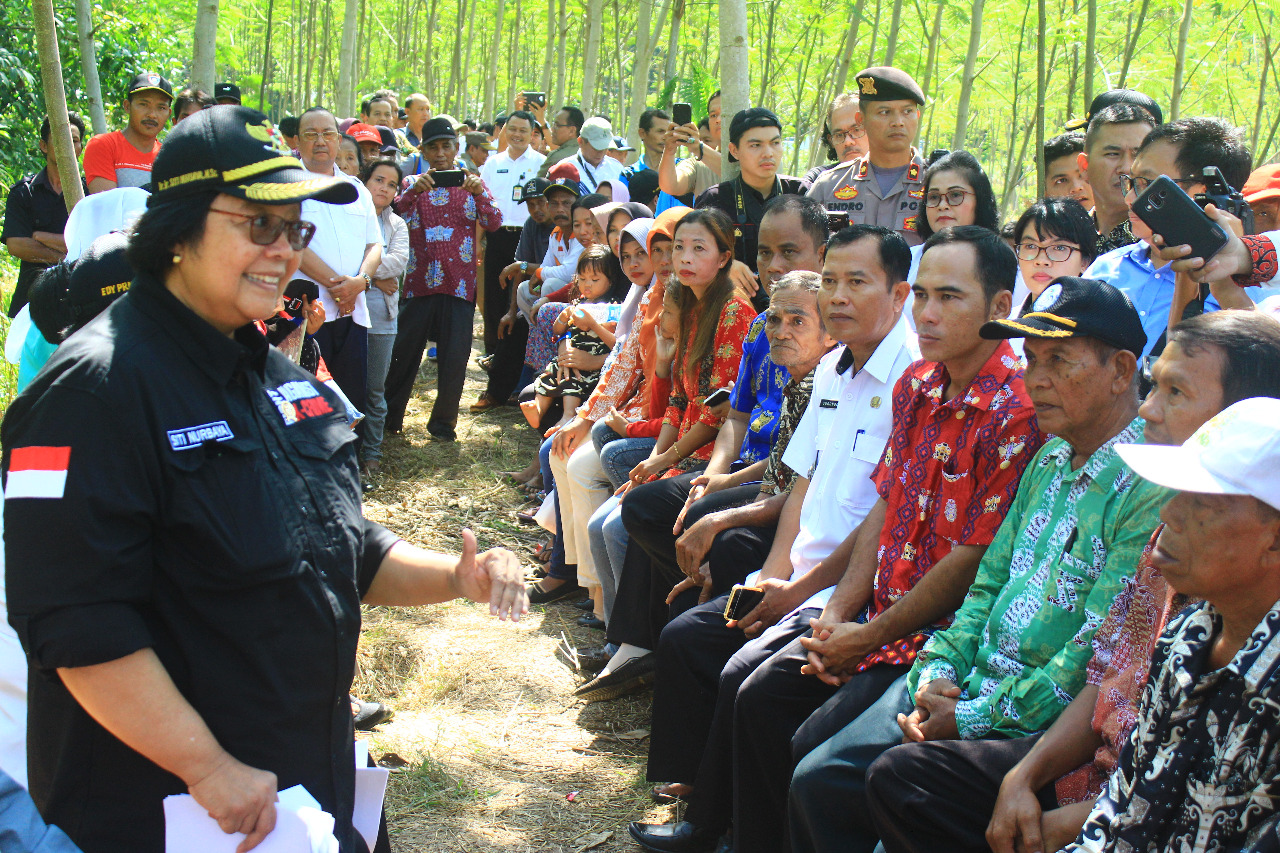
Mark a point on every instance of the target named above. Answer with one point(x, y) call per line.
point(185, 547)
point(885, 187)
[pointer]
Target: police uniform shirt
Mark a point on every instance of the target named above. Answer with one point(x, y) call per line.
point(171, 488)
point(744, 206)
point(505, 178)
point(853, 187)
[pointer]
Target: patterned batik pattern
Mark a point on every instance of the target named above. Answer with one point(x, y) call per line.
point(442, 228)
point(778, 477)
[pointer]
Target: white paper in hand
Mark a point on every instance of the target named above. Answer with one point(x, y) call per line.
point(189, 829)
point(371, 787)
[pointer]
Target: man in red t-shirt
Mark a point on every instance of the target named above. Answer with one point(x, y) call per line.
point(123, 158)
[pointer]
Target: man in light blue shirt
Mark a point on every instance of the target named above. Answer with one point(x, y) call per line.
point(1180, 150)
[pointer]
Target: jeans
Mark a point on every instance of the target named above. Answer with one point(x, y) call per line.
point(380, 347)
point(618, 455)
point(556, 568)
point(609, 539)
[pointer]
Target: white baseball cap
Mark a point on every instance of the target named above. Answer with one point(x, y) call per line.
point(1237, 452)
point(598, 133)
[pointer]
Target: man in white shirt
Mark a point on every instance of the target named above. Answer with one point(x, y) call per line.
point(504, 175)
point(594, 167)
point(701, 660)
point(343, 256)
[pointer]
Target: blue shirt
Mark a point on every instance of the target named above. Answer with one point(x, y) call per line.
point(1129, 269)
point(758, 393)
point(665, 199)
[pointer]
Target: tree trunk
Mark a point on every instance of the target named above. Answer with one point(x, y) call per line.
point(323, 68)
point(892, 46)
point(344, 103)
point(850, 41)
point(1180, 63)
point(673, 43)
point(590, 61)
point(1132, 43)
point(547, 66)
point(466, 75)
point(640, 68)
point(1090, 45)
point(561, 59)
point(1041, 85)
point(765, 77)
point(89, 66)
point(1262, 85)
point(875, 36)
point(931, 63)
point(491, 80)
point(203, 72)
point(970, 68)
point(266, 59)
point(735, 72)
point(55, 99)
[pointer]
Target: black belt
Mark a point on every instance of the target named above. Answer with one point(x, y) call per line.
point(513, 228)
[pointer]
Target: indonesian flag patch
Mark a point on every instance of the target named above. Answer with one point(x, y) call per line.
point(37, 472)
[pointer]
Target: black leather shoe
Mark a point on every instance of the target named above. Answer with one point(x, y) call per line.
point(682, 837)
point(538, 595)
point(633, 675)
point(367, 715)
point(591, 621)
point(585, 604)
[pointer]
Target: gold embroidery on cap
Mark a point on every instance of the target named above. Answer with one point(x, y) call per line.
point(868, 85)
point(291, 191)
point(1054, 317)
point(268, 165)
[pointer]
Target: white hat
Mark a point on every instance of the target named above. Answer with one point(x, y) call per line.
point(1237, 452)
point(598, 133)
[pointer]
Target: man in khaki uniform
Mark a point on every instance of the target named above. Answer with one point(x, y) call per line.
point(886, 186)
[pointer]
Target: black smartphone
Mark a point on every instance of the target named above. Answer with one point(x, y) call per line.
point(837, 220)
point(682, 114)
point(449, 177)
point(1170, 212)
point(716, 397)
point(742, 600)
point(535, 99)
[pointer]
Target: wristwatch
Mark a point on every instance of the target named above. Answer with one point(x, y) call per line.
point(700, 147)
point(524, 266)
point(368, 282)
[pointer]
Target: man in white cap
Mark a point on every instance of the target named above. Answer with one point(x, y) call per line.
point(1200, 771)
point(595, 140)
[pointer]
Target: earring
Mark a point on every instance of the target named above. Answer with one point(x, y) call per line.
point(177, 259)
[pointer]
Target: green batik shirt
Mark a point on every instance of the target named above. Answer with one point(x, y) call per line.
point(1024, 634)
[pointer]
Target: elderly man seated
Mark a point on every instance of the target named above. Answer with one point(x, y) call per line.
point(923, 799)
point(1015, 654)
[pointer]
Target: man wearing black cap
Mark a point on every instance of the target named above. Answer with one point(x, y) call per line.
point(1117, 123)
point(439, 302)
point(1016, 651)
point(226, 93)
point(886, 186)
point(755, 142)
point(123, 158)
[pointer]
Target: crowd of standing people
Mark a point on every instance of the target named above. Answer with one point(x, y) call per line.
point(927, 531)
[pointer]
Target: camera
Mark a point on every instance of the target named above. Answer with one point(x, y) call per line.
point(1220, 194)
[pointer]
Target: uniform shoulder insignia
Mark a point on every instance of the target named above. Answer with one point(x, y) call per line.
point(913, 171)
point(862, 168)
point(909, 224)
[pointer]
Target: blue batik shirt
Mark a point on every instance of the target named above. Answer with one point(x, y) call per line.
point(758, 393)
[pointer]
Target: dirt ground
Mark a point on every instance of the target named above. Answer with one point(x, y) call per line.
point(492, 751)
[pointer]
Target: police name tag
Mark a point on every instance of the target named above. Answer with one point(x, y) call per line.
point(829, 404)
point(189, 437)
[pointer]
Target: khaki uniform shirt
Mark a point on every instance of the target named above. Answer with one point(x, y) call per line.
point(555, 155)
point(854, 189)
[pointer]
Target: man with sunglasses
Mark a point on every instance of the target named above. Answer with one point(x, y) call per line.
point(343, 257)
point(885, 187)
point(1180, 150)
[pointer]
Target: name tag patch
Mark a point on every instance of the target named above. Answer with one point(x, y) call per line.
point(829, 404)
point(298, 401)
point(189, 437)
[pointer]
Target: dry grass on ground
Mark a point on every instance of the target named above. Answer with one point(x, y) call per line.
point(485, 714)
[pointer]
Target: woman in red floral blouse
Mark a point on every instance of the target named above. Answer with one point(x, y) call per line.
point(714, 319)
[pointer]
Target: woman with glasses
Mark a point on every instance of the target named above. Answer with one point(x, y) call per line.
point(1054, 237)
point(186, 550)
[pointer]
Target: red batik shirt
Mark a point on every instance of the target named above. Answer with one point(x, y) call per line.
point(948, 474)
point(442, 238)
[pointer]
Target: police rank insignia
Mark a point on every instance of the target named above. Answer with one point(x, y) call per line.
point(846, 193)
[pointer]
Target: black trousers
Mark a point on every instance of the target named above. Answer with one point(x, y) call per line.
point(344, 345)
point(940, 795)
point(650, 569)
point(499, 251)
point(701, 665)
point(448, 321)
point(508, 362)
point(772, 707)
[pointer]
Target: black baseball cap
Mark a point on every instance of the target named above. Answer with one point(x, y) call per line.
point(749, 118)
point(440, 127)
point(147, 81)
point(534, 189)
point(226, 90)
point(1117, 96)
point(237, 151)
point(566, 184)
point(1073, 307)
point(388, 139)
point(883, 83)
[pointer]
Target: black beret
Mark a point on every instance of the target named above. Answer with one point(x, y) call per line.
point(883, 83)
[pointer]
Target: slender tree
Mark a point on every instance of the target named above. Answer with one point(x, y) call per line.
point(891, 45)
point(55, 94)
point(590, 61)
point(850, 42)
point(492, 78)
point(1041, 87)
point(266, 59)
point(970, 73)
point(1180, 62)
point(1090, 50)
point(346, 94)
point(89, 66)
point(735, 71)
point(203, 72)
point(1131, 40)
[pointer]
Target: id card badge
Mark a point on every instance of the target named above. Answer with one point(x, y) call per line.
point(517, 193)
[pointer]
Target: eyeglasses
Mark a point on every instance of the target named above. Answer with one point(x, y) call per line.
point(313, 135)
point(266, 228)
point(1056, 253)
point(1137, 185)
point(839, 136)
point(954, 198)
